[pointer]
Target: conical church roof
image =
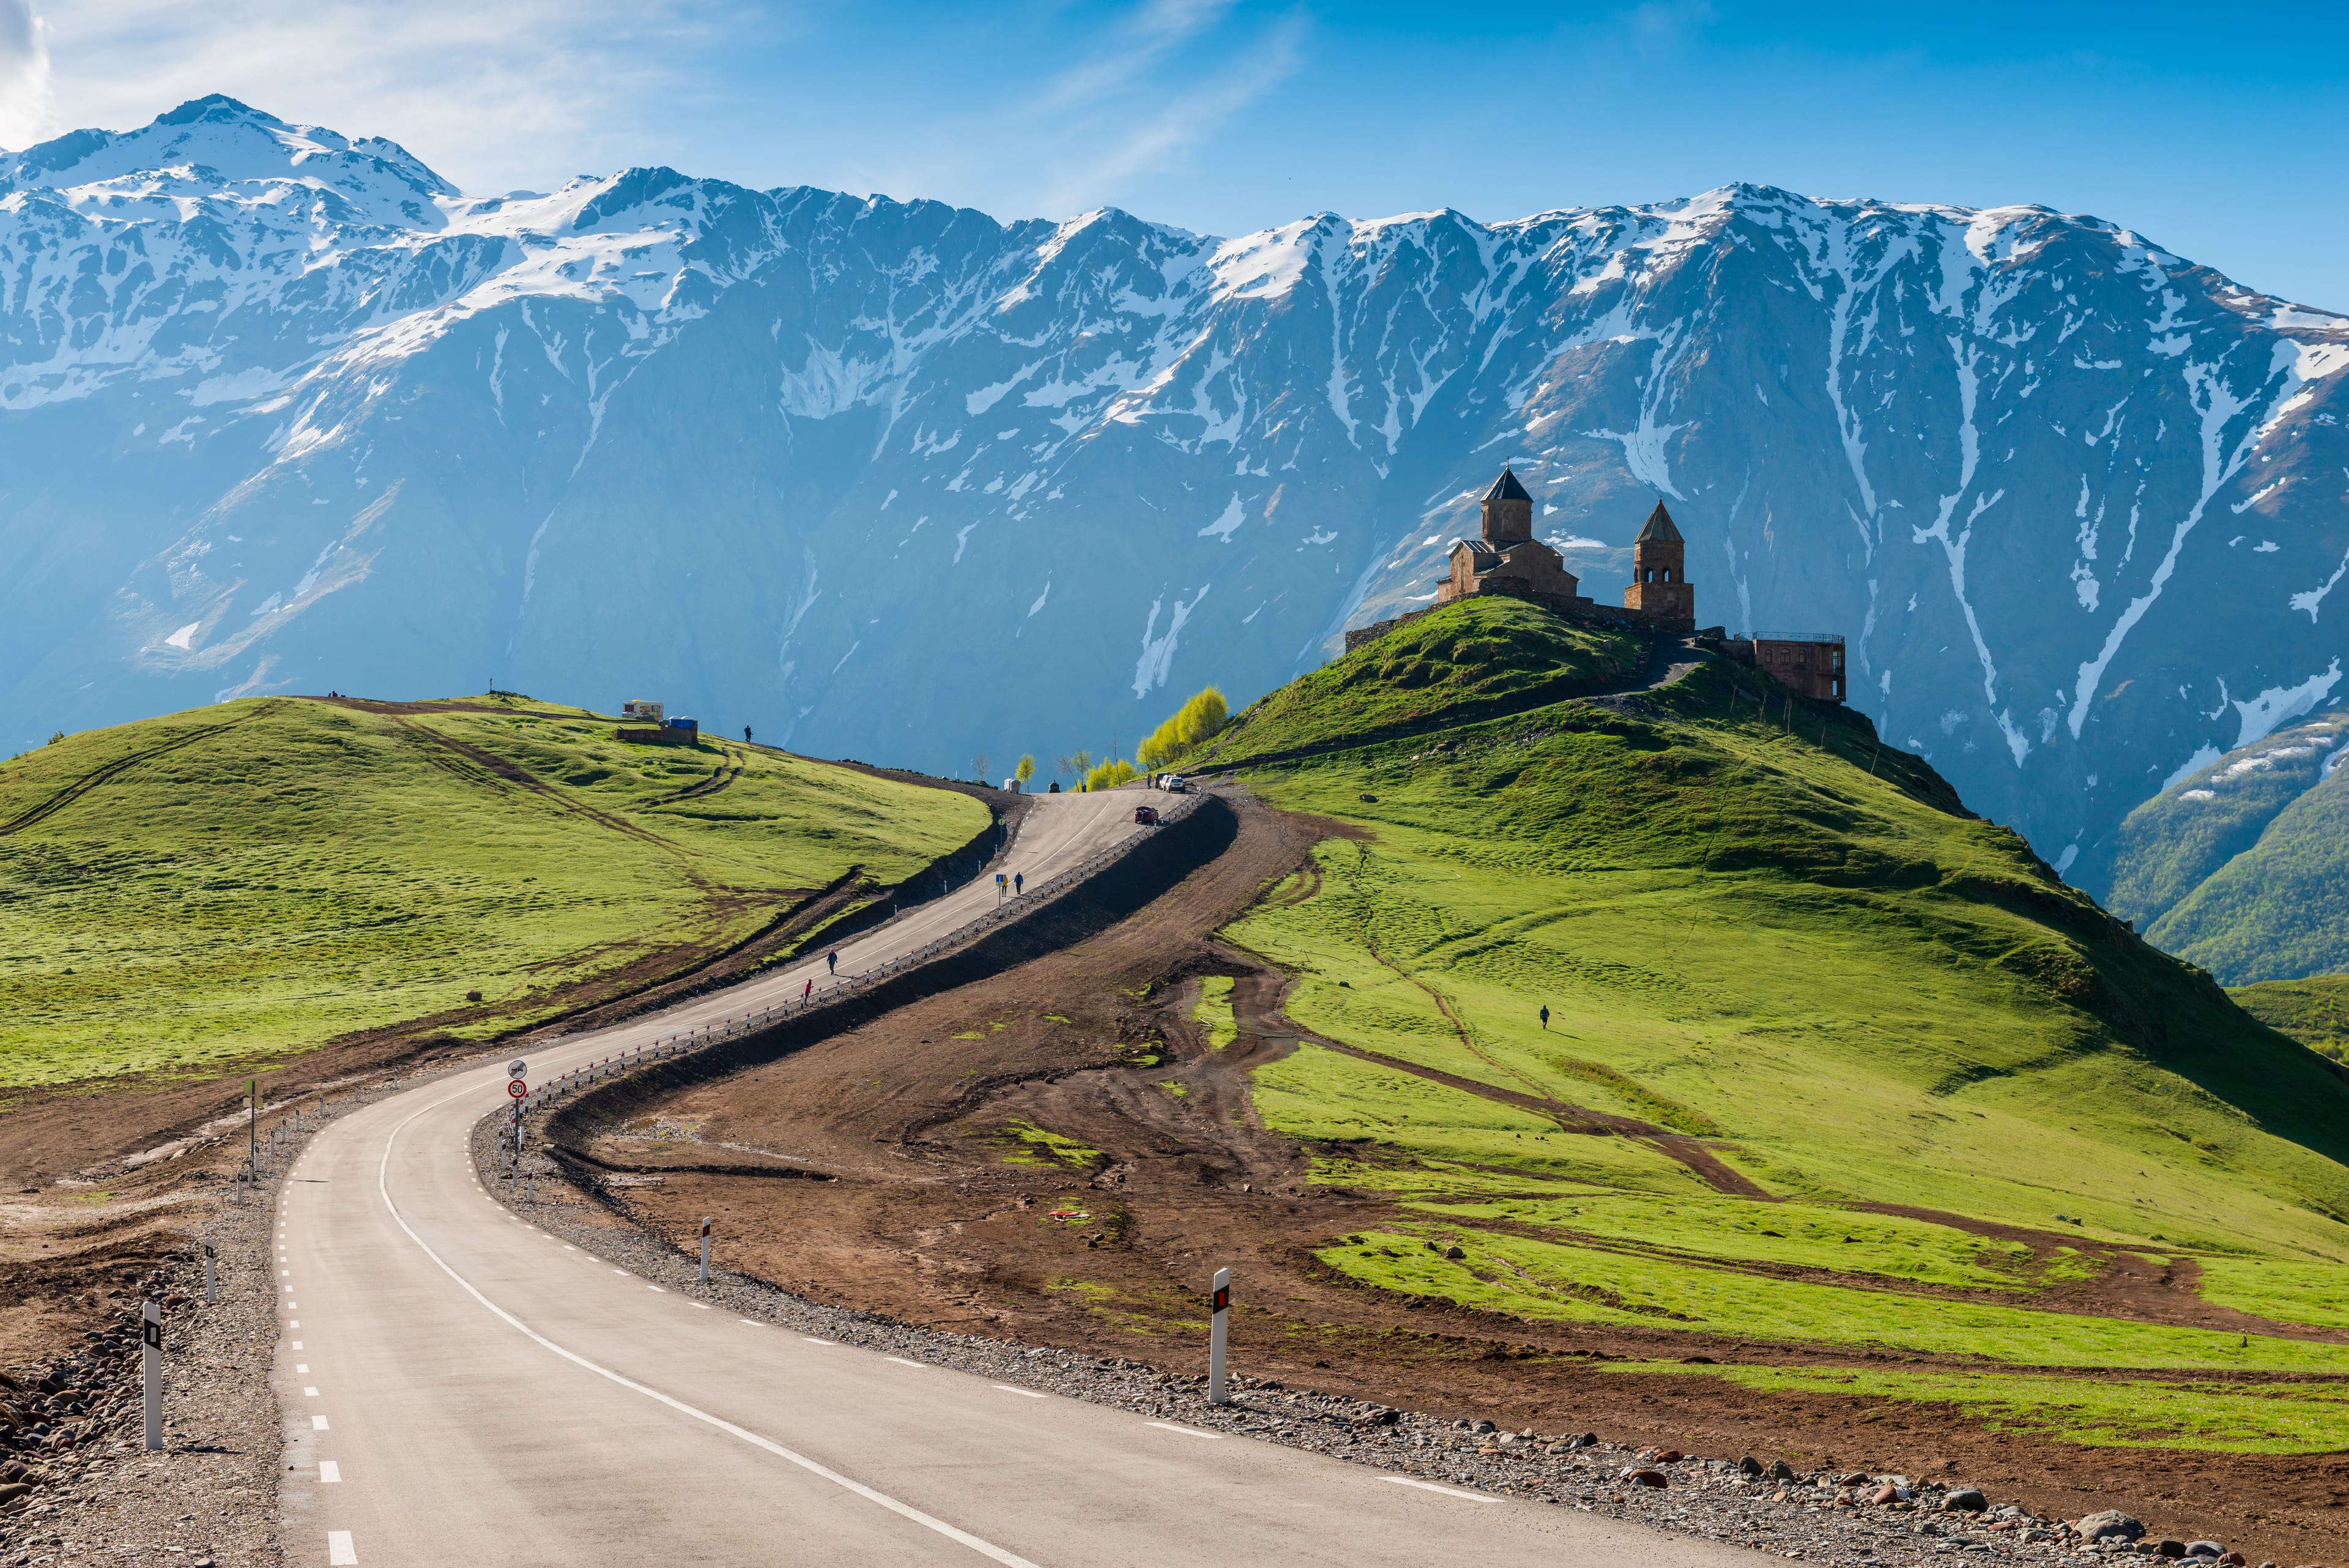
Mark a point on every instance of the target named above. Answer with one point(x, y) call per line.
point(1507, 488)
point(1658, 529)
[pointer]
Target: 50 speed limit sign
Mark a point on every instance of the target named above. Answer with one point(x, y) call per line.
point(517, 1089)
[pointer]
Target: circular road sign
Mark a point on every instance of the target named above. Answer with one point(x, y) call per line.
point(516, 1068)
point(517, 1089)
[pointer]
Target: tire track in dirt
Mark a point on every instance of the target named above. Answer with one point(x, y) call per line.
point(1700, 1158)
point(121, 766)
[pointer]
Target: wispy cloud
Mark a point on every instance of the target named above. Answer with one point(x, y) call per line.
point(1150, 86)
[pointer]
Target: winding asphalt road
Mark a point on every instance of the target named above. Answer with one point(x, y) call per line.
point(461, 1388)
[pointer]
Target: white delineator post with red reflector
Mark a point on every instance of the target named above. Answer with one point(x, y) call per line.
point(1216, 1395)
point(705, 1249)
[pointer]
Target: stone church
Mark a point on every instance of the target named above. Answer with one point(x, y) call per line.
point(1506, 559)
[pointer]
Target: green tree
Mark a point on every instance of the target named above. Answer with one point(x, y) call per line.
point(1026, 770)
point(1111, 775)
point(1201, 718)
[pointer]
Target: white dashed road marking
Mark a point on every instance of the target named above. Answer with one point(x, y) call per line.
point(902, 1361)
point(309, 1393)
point(339, 1549)
point(1030, 1393)
point(986, 1549)
point(1187, 1431)
point(1446, 1490)
point(317, 1423)
point(328, 1470)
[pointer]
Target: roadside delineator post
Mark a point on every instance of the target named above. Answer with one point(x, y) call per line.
point(1223, 1312)
point(212, 1282)
point(705, 1249)
point(150, 1357)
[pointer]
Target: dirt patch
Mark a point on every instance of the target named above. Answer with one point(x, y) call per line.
point(1054, 1154)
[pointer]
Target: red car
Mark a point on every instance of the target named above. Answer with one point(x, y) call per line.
point(1146, 816)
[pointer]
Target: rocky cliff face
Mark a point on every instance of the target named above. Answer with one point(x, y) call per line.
point(280, 410)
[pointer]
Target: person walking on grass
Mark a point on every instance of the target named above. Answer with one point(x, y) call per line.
point(832, 961)
point(1544, 1015)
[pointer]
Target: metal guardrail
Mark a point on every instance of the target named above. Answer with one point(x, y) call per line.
point(686, 1041)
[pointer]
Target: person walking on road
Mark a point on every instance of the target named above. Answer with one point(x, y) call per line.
point(1019, 882)
point(832, 961)
point(807, 991)
point(1544, 1015)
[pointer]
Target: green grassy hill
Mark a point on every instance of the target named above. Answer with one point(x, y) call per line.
point(2243, 866)
point(1480, 656)
point(1830, 1064)
point(240, 883)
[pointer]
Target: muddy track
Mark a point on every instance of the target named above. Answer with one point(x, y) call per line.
point(1698, 1157)
point(121, 766)
point(720, 777)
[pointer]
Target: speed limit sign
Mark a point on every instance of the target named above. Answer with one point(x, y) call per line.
point(517, 1089)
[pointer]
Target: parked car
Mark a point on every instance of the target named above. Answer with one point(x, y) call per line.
point(1174, 784)
point(1146, 816)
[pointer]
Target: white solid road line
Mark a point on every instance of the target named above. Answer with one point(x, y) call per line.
point(1446, 1490)
point(1187, 1431)
point(339, 1549)
point(986, 1549)
point(329, 1472)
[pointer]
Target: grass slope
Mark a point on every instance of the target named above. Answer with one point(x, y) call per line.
point(2314, 1012)
point(242, 882)
point(2240, 866)
point(1776, 934)
point(1478, 655)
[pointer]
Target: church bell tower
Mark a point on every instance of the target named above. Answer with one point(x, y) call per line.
point(1660, 569)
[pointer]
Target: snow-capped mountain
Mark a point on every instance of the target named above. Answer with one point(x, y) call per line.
point(282, 411)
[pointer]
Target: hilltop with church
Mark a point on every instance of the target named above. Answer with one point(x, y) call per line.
point(1504, 559)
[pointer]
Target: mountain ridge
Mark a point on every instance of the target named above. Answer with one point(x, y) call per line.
point(654, 430)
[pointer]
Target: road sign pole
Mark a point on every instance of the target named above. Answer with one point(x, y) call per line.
point(211, 1282)
point(150, 1355)
point(1216, 1395)
point(252, 1121)
point(705, 1249)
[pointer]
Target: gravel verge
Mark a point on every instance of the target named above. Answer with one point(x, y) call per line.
point(77, 1482)
point(1836, 1517)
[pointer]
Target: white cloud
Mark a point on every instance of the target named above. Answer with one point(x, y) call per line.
point(24, 106)
point(517, 91)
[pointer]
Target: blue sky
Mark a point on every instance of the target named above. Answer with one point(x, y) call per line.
point(2221, 132)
